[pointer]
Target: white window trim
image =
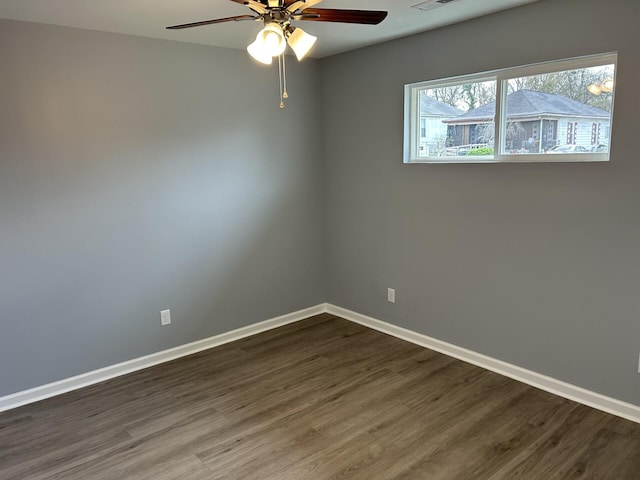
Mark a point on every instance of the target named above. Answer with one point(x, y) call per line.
point(412, 125)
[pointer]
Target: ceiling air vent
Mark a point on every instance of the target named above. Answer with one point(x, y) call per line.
point(431, 4)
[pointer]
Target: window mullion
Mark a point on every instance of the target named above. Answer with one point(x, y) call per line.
point(497, 121)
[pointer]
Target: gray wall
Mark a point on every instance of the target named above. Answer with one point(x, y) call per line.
point(138, 175)
point(535, 264)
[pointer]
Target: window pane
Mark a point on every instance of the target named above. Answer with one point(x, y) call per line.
point(457, 120)
point(559, 112)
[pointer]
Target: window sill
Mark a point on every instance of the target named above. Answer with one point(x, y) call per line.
point(520, 158)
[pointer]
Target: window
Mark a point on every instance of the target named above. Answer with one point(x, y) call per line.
point(518, 114)
point(595, 133)
point(571, 137)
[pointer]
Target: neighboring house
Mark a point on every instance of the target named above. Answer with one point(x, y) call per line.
point(537, 121)
point(433, 132)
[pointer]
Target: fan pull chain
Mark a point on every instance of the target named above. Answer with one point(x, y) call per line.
point(282, 92)
point(284, 77)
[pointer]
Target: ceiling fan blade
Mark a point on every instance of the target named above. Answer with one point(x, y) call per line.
point(254, 5)
point(300, 5)
point(237, 18)
point(367, 17)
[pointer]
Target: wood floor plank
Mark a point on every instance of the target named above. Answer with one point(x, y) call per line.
point(319, 399)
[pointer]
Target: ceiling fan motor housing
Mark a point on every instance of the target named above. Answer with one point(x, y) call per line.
point(278, 16)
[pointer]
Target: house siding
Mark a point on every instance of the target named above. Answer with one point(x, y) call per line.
point(582, 131)
point(436, 134)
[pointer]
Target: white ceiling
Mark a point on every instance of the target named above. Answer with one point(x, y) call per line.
point(148, 18)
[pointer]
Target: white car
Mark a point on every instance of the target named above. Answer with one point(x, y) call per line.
point(567, 149)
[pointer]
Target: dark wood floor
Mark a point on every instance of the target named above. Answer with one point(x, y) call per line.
point(320, 399)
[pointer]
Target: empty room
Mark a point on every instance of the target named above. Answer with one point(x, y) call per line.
point(359, 239)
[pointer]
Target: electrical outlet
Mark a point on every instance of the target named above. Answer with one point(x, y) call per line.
point(638, 363)
point(165, 317)
point(391, 295)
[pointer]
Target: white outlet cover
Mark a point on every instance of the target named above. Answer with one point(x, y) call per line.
point(165, 317)
point(391, 295)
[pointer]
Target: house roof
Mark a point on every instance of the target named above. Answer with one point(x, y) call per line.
point(528, 103)
point(431, 107)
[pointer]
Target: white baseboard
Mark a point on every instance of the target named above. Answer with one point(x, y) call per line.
point(85, 379)
point(549, 384)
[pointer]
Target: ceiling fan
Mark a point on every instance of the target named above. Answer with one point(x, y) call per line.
point(278, 32)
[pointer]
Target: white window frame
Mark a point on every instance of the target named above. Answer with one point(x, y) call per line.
point(501, 77)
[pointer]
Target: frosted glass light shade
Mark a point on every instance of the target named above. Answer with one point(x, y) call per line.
point(301, 42)
point(594, 89)
point(257, 51)
point(607, 85)
point(272, 39)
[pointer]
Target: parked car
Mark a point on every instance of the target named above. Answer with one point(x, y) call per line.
point(599, 148)
point(567, 149)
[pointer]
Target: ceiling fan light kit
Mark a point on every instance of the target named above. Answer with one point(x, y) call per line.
point(272, 41)
point(278, 32)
